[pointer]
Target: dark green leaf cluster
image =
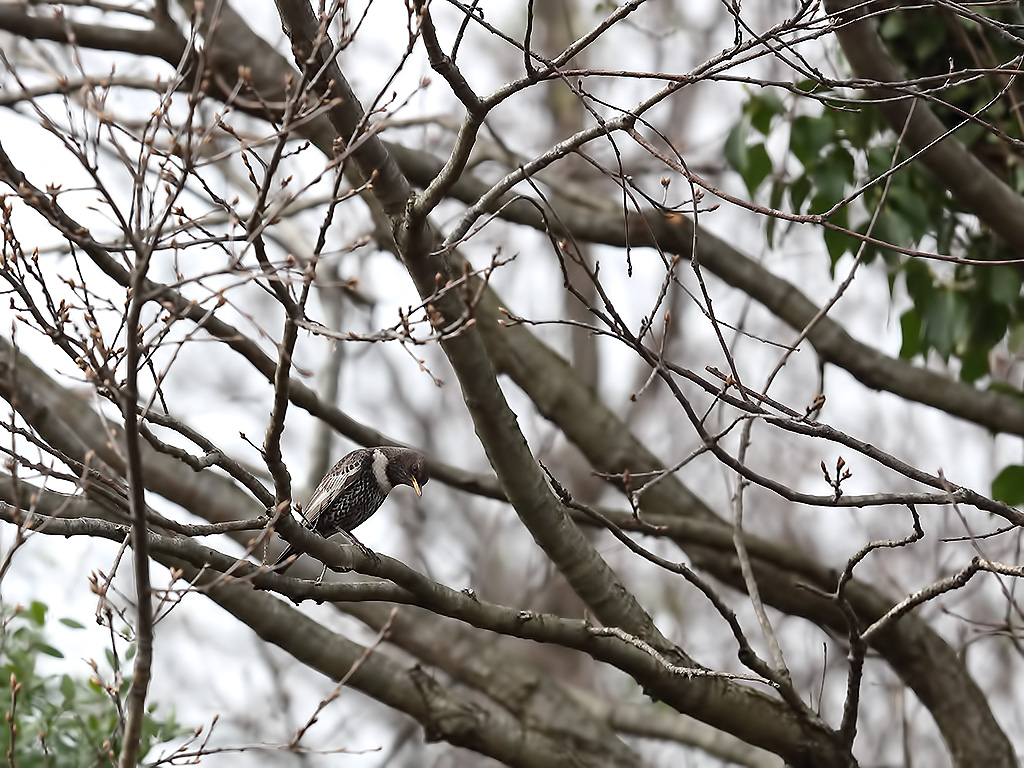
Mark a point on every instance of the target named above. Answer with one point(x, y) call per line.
point(957, 59)
point(959, 312)
point(61, 720)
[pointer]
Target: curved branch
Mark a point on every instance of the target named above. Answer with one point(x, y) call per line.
point(443, 713)
point(602, 222)
point(919, 655)
point(752, 716)
point(522, 480)
point(599, 222)
point(915, 654)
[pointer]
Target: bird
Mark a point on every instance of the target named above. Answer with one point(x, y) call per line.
point(354, 489)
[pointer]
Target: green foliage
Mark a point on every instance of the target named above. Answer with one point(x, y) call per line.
point(744, 147)
point(1009, 485)
point(61, 720)
point(959, 312)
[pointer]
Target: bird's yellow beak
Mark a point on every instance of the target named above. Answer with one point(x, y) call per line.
point(416, 487)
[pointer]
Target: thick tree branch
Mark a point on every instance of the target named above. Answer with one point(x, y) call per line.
point(652, 723)
point(522, 480)
point(443, 714)
point(163, 42)
point(934, 670)
point(914, 651)
point(753, 717)
point(599, 222)
point(602, 222)
point(496, 426)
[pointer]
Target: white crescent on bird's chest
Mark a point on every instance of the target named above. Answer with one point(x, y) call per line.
point(380, 470)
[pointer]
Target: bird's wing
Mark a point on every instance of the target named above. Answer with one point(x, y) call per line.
point(340, 477)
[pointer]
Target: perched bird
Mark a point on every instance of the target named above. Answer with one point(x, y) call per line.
point(355, 488)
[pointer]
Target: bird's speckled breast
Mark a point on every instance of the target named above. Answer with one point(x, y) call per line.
point(355, 505)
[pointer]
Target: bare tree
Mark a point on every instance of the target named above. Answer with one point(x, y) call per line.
point(716, 547)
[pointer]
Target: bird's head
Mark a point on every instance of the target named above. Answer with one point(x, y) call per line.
point(408, 467)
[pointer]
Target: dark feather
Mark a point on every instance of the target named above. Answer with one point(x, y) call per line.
point(355, 488)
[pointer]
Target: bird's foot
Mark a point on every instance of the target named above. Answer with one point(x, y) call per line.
point(369, 553)
point(320, 578)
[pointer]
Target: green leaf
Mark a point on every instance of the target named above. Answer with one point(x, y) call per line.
point(860, 126)
point(893, 227)
point(798, 192)
point(928, 43)
point(988, 326)
point(946, 321)
point(67, 689)
point(831, 174)
point(761, 121)
point(808, 135)
point(72, 623)
point(973, 364)
point(759, 166)
point(1004, 283)
point(879, 161)
point(1008, 486)
point(820, 203)
point(969, 133)
point(1018, 175)
point(49, 650)
point(913, 210)
point(762, 108)
point(37, 612)
point(920, 285)
point(891, 25)
point(910, 325)
point(837, 243)
point(736, 147)
point(1015, 340)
